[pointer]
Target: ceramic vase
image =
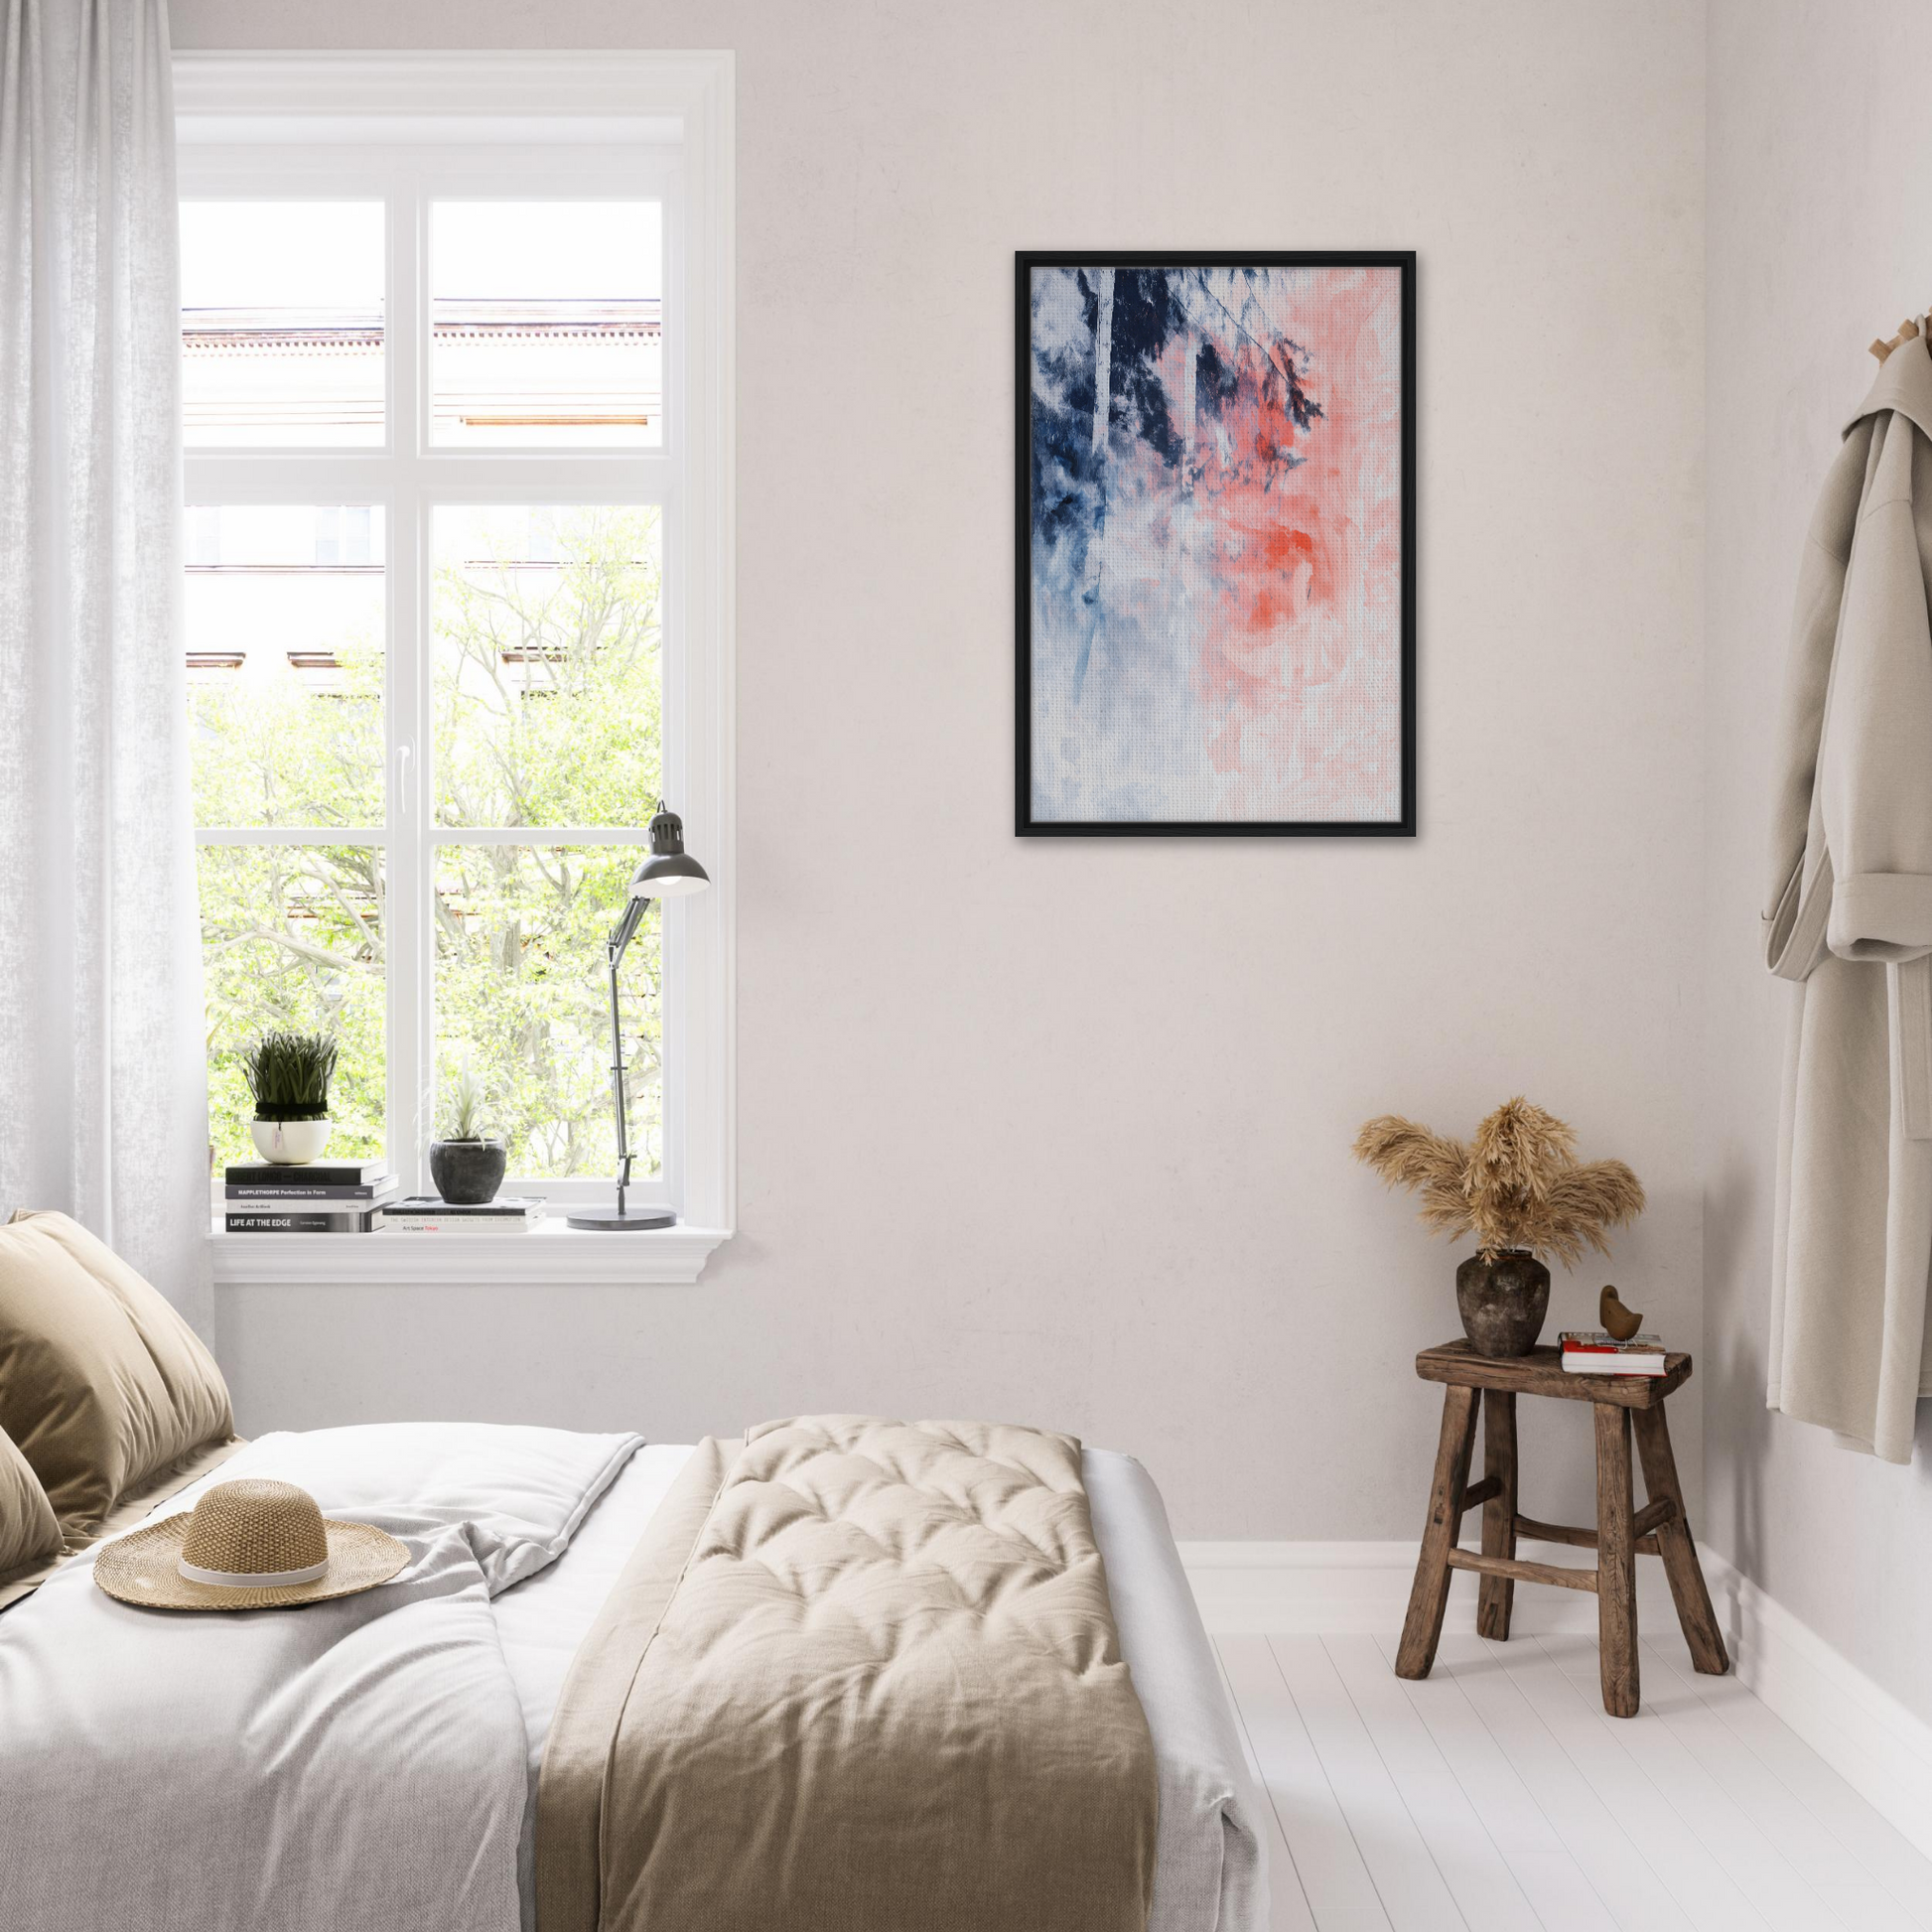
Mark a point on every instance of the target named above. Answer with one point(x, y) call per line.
point(1503, 1299)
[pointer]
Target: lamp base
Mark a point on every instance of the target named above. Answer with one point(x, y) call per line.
point(612, 1220)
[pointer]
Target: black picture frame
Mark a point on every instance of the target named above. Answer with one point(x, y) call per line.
point(1026, 261)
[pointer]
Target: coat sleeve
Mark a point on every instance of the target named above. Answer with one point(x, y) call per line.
point(1875, 769)
point(1797, 904)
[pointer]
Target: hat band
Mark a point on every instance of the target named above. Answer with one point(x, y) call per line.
point(252, 1579)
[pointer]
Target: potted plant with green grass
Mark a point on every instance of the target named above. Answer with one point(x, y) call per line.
point(467, 1162)
point(289, 1074)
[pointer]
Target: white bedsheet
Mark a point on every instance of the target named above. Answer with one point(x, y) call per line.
point(1211, 1874)
point(352, 1766)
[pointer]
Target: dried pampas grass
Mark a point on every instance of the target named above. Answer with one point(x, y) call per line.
point(1517, 1184)
point(1430, 1165)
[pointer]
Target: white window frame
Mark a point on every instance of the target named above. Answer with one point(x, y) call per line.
point(406, 127)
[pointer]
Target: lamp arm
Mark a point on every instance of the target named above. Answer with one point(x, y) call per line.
point(625, 929)
point(614, 950)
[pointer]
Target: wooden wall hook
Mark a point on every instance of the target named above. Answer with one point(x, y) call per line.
point(1907, 331)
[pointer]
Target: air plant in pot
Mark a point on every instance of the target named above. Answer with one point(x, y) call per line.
point(1520, 1190)
point(289, 1076)
point(467, 1162)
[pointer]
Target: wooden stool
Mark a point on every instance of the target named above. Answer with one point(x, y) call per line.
point(1621, 1535)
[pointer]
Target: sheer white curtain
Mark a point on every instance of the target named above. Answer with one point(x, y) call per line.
point(102, 1070)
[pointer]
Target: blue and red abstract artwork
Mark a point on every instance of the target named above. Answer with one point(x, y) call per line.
point(1216, 615)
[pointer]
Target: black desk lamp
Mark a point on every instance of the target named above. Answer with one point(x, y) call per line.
point(669, 873)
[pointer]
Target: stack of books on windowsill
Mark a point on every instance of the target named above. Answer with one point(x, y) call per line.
point(1594, 1351)
point(425, 1214)
point(318, 1197)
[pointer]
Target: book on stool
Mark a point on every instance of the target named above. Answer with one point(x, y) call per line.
point(1595, 1352)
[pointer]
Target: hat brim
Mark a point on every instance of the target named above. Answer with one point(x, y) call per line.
point(143, 1569)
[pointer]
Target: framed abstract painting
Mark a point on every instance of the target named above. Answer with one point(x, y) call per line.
point(1216, 584)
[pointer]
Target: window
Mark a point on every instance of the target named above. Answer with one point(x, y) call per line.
point(457, 594)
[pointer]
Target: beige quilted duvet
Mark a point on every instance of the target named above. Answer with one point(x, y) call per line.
point(860, 1675)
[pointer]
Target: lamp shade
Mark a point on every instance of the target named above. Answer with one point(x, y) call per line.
point(670, 872)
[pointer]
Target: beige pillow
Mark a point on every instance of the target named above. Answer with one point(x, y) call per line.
point(101, 1383)
point(28, 1533)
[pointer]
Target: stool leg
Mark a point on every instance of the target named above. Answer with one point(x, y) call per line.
point(1677, 1546)
point(1423, 1629)
point(1496, 1596)
point(1617, 1562)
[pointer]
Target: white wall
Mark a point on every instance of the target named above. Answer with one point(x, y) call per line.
point(1820, 238)
point(1032, 1129)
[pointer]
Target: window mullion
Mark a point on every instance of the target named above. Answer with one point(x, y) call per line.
point(409, 1019)
point(545, 835)
point(292, 835)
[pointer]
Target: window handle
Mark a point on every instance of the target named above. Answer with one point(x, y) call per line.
point(404, 751)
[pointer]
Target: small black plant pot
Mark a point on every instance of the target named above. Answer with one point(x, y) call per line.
point(1503, 1302)
point(468, 1174)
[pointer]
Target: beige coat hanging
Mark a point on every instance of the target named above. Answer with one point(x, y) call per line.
point(1851, 920)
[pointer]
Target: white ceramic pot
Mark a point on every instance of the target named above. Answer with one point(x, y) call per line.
point(290, 1143)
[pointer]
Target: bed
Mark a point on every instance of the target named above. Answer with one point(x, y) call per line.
point(510, 1580)
point(839, 1674)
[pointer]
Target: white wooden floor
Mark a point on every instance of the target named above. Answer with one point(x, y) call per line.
point(1498, 1796)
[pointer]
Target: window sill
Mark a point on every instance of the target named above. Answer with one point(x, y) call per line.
point(551, 1253)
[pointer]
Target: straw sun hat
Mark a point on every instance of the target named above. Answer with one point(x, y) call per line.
point(249, 1545)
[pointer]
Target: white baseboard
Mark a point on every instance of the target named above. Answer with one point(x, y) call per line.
point(1879, 1747)
point(1882, 1750)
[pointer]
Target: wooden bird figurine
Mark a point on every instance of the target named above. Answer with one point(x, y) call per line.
point(1615, 1317)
